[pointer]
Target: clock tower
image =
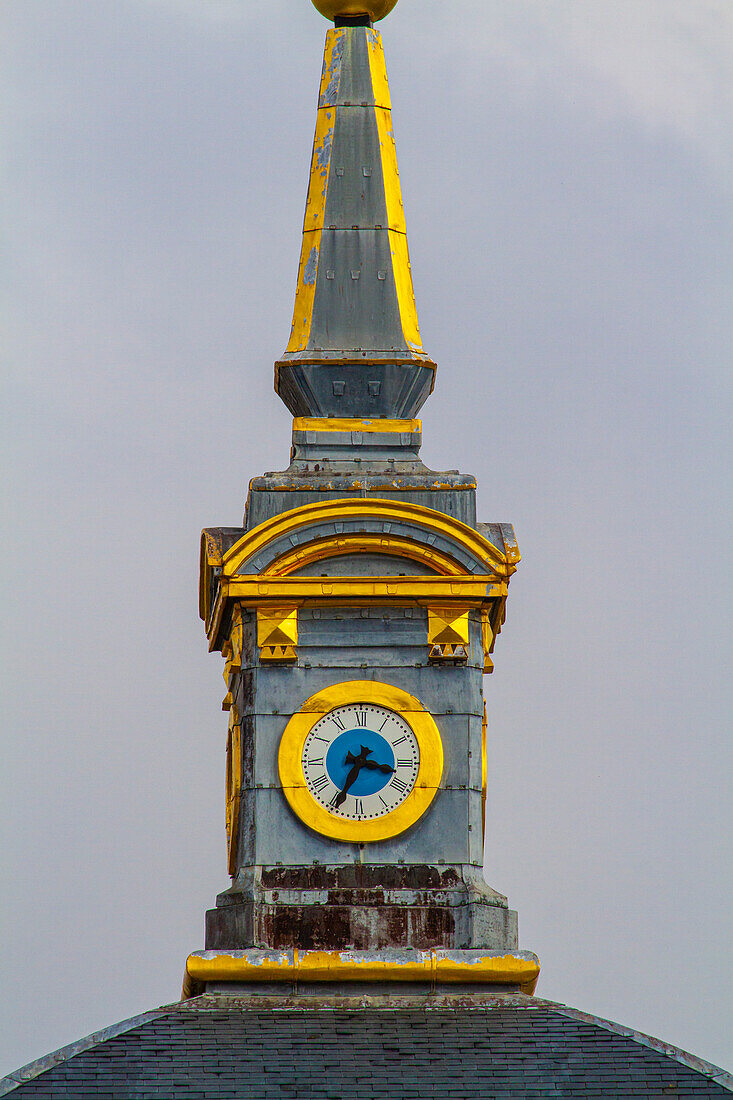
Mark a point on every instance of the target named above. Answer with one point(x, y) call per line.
point(358, 952)
point(356, 609)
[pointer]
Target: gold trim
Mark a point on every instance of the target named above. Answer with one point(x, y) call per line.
point(429, 773)
point(305, 292)
point(484, 770)
point(339, 545)
point(471, 589)
point(233, 786)
point(345, 424)
point(322, 511)
point(404, 289)
point(487, 639)
point(255, 591)
point(344, 966)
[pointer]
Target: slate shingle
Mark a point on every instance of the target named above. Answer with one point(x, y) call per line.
point(221, 1049)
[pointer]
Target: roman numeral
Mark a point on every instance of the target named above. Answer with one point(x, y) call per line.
point(384, 723)
point(361, 717)
point(314, 762)
point(320, 783)
point(359, 808)
point(338, 721)
point(399, 741)
point(404, 763)
point(383, 802)
point(324, 739)
point(401, 787)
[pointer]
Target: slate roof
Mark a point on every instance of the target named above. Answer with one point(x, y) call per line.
point(222, 1048)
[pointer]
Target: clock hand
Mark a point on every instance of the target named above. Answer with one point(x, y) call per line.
point(374, 767)
point(358, 763)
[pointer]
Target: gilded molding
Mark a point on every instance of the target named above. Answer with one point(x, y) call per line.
point(487, 639)
point(520, 969)
point(340, 545)
point(259, 591)
point(233, 786)
point(348, 424)
point(428, 520)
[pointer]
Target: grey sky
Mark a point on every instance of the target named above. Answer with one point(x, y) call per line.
point(566, 171)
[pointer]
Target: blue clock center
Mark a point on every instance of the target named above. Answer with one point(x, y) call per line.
point(351, 743)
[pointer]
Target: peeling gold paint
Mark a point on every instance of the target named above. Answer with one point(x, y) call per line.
point(404, 289)
point(378, 70)
point(390, 173)
point(305, 294)
point(432, 966)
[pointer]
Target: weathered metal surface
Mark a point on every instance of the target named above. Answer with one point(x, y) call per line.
point(437, 965)
point(355, 347)
point(360, 562)
point(361, 925)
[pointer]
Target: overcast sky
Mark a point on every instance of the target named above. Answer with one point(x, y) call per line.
point(566, 170)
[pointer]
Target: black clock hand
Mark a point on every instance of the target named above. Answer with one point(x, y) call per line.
point(358, 763)
point(374, 767)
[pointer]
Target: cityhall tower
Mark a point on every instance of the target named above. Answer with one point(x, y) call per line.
point(357, 951)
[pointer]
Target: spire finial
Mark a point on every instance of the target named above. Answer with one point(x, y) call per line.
point(336, 9)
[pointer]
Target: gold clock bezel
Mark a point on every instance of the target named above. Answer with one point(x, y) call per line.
point(429, 775)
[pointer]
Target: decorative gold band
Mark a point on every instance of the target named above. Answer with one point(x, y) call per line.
point(436, 966)
point(344, 424)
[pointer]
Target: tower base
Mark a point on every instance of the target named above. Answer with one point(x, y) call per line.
point(362, 908)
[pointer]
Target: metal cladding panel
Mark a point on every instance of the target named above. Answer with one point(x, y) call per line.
point(377, 565)
point(354, 301)
point(356, 307)
point(444, 828)
point(263, 504)
point(364, 628)
point(354, 69)
point(343, 387)
point(355, 197)
point(278, 690)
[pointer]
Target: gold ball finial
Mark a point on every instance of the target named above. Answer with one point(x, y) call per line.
point(375, 9)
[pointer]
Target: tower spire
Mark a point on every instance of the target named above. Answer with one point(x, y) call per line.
point(355, 348)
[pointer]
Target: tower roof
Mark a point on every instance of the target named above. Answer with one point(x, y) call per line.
point(355, 347)
point(229, 1048)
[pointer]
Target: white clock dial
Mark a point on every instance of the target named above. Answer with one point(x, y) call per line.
point(360, 761)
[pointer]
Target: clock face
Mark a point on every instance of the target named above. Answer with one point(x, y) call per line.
point(360, 761)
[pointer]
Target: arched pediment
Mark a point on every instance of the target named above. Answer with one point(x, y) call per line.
point(315, 532)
